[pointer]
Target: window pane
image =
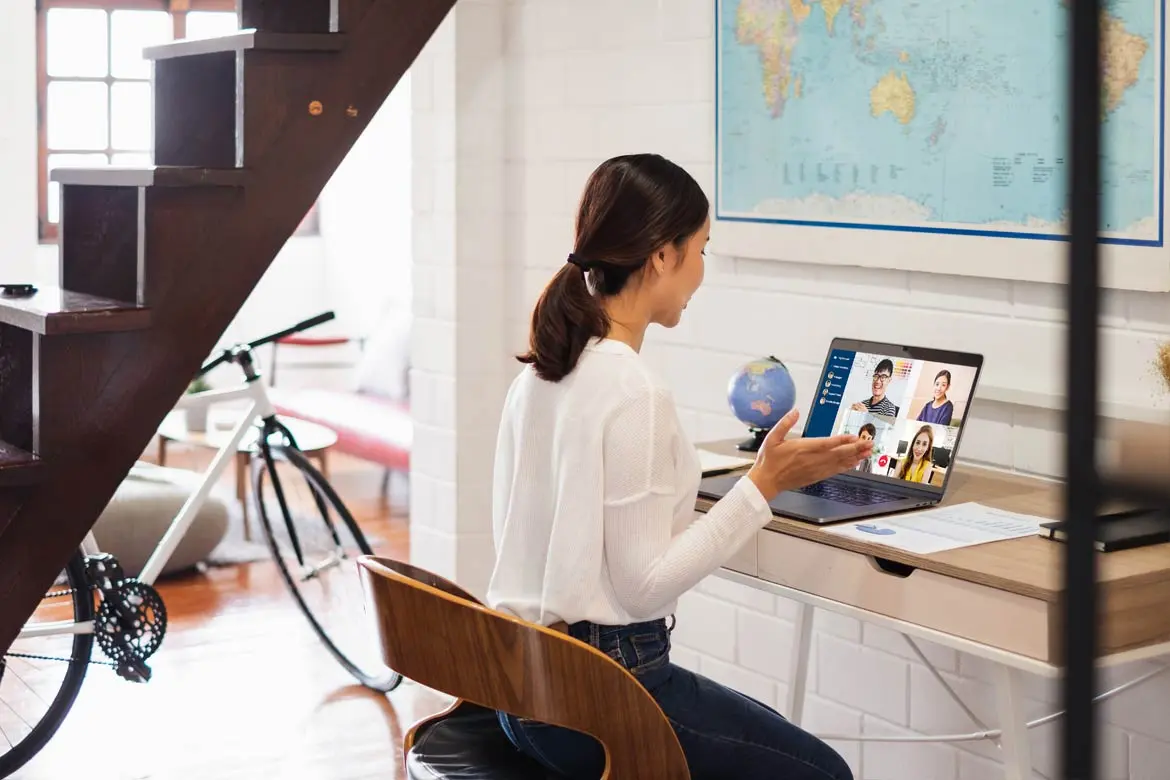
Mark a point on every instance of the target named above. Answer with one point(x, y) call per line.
point(131, 32)
point(210, 24)
point(75, 40)
point(77, 115)
point(68, 161)
point(133, 160)
point(131, 121)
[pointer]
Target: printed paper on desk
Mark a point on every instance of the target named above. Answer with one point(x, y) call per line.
point(943, 528)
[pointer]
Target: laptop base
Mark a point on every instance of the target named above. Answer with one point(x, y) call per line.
point(798, 505)
point(813, 509)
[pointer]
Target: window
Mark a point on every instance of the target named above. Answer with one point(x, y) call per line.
point(94, 102)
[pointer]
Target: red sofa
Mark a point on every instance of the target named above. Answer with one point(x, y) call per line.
point(368, 426)
point(372, 421)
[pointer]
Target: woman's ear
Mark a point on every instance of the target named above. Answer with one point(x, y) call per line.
point(658, 261)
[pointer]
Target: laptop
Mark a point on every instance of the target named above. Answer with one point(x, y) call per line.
point(914, 402)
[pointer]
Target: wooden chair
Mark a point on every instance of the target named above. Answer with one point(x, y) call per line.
point(435, 633)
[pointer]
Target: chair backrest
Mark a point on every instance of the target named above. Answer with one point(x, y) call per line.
point(435, 633)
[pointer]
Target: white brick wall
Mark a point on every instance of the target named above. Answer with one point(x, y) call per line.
point(460, 295)
point(586, 79)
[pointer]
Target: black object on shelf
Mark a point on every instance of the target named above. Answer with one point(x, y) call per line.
point(1122, 530)
point(17, 290)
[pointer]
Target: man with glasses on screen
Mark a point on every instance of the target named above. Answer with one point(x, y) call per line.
point(878, 403)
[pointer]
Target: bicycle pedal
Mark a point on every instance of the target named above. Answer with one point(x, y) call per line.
point(136, 672)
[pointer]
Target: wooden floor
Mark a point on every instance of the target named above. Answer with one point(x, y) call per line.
point(242, 689)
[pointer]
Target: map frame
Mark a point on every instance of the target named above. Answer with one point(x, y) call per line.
point(1127, 263)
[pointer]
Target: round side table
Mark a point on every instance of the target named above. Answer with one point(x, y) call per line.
point(314, 441)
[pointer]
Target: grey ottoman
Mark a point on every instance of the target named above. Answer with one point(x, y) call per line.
point(143, 508)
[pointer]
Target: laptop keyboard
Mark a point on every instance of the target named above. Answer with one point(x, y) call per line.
point(854, 495)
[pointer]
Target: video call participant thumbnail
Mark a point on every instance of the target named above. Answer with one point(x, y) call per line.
point(879, 402)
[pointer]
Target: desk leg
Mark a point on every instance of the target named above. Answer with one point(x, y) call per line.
point(243, 460)
point(798, 671)
point(1015, 743)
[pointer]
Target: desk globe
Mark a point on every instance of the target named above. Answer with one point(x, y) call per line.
point(760, 393)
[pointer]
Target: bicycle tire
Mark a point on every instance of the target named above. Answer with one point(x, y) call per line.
point(22, 752)
point(383, 681)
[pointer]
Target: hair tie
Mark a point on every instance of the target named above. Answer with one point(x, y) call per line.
point(578, 261)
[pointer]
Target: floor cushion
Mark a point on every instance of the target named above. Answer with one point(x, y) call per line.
point(144, 507)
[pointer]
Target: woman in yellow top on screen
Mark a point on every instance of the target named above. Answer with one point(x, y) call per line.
point(918, 466)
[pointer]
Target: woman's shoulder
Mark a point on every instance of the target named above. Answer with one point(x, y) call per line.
point(622, 388)
point(620, 371)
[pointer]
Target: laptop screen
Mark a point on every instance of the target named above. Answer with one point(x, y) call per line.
point(912, 401)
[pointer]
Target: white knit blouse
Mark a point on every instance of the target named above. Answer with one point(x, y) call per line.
point(593, 510)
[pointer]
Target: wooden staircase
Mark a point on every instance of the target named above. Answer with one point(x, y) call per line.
point(155, 263)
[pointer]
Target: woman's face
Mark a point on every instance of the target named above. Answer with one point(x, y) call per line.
point(865, 436)
point(921, 443)
point(940, 386)
point(680, 273)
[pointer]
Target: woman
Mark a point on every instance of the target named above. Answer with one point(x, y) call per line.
point(939, 409)
point(595, 481)
point(918, 466)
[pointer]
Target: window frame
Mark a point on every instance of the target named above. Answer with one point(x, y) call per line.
point(47, 232)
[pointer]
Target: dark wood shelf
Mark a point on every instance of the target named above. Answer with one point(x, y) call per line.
point(244, 40)
point(17, 467)
point(151, 176)
point(52, 311)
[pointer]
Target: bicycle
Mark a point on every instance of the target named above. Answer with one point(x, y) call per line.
point(128, 622)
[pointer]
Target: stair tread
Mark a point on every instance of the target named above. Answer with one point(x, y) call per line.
point(53, 311)
point(151, 176)
point(18, 467)
point(246, 39)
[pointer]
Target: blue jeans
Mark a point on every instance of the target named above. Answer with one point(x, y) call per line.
point(723, 734)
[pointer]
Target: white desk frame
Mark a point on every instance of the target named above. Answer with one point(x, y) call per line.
point(1017, 753)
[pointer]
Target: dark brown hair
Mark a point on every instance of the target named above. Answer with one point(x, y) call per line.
point(632, 206)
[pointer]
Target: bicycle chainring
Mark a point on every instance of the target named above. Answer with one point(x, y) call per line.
point(129, 626)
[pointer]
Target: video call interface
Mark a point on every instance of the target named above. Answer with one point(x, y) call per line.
point(912, 409)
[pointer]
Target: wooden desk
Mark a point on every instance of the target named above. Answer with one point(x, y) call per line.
point(1000, 601)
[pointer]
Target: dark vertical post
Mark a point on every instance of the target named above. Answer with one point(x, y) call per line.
point(1082, 491)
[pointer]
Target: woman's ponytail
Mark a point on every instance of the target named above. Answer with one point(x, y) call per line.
point(566, 317)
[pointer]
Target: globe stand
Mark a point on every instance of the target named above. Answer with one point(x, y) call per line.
point(753, 444)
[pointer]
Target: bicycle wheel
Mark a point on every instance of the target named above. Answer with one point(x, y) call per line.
point(34, 696)
point(315, 542)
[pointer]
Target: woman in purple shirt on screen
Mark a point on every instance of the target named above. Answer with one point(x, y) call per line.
point(939, 409)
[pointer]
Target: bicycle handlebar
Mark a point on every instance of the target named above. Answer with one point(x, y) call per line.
point(227, 354)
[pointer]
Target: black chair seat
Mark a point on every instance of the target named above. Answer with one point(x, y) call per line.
point(469, 745)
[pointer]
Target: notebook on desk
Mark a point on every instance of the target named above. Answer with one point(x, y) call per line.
point(1121, 530)
point(912, 401)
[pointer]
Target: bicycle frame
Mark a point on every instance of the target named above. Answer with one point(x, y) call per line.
point(259, 408)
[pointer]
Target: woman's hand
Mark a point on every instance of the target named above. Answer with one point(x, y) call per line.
point(786, 465)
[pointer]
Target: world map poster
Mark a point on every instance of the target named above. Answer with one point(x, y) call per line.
point(947, 117)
